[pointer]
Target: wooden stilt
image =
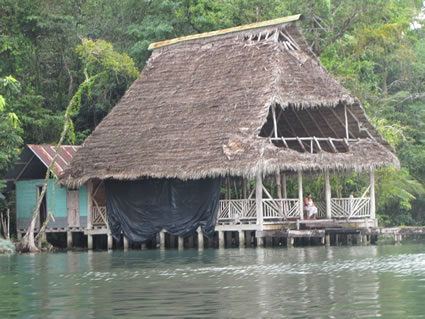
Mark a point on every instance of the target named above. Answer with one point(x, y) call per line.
point(336, 239)
point(125, 242)
point(328, 240)
point(110, 242)
point(200, 239)
point(241, 239)
point(290, 242)
point(143, 246)
point(221, 239)
point(89, 242)
point(260, 241)
point(69, 240)
point(180, 242)
point(162, 239)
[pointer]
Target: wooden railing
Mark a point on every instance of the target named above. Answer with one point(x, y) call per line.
point(350, 207)
point(237, 210)
point(99, 216)
point(274, 210)
point(280, 209)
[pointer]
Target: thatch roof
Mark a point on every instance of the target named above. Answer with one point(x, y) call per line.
point(202, 107)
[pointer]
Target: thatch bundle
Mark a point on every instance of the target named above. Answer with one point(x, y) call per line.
point(203, 108)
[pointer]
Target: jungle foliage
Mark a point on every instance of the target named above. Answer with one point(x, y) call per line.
point(376, 49)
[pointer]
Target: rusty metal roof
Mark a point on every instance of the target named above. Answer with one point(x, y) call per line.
point(45, 154)
point(225, 31)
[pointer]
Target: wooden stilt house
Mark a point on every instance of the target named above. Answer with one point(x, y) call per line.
point(248, 102)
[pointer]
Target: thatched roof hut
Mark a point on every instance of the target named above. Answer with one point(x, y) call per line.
point(231, 102)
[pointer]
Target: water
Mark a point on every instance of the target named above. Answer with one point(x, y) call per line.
point(311, 282)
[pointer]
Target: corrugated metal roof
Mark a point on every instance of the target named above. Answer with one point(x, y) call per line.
point(45, 154)
point(225, 31)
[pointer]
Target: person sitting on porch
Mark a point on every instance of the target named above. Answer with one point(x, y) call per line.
point(310, 207)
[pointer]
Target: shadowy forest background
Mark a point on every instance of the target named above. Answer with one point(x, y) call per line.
point(376, 48)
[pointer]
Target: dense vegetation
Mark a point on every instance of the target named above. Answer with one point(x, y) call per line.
point(376, 49)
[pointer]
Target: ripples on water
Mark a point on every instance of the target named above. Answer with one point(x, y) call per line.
point(314, 282)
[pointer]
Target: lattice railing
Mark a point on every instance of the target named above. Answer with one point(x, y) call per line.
point(280, 208)
point(99, 216)
point(237, 210)
point(350, 207)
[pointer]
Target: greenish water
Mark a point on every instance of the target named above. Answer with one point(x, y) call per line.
point(311, 282)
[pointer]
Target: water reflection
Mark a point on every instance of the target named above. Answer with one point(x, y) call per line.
point(296, 283)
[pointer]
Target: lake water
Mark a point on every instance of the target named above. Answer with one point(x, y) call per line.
point(311, 282)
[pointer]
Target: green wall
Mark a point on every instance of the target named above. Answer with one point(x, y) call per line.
point(26, 197)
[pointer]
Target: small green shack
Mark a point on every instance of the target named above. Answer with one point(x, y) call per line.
point(68, 206)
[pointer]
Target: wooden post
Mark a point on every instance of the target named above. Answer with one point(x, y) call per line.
point(347, 136)
point(241, 239)
point(89, 204)
point(284, 194)
point(125, 242)
point(143, 246)
point(69, 239)
point(180, 242)
point(200, 238)
point(245, 188)
point(260, 241)
point(259, 199)
point(162, 239)
point(278, 184)
point(328, 195)
point(89, 242)
point(300, 194)
point(274, 120)
point(290, 242)
point(110, 242)
point(328, 240)
point(220, 239)
point(372, 193)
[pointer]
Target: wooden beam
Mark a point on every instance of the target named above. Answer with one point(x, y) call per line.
point(327, 123)
point(315, 123)
point(332, 145)
point(346, 122)
point(274, 121)
point(301, 122)
point(301, 143)
point(23, 170)
point(359, 124)
point(317, 143)
point(339, 120)
point(284, 142)
point(259, 199)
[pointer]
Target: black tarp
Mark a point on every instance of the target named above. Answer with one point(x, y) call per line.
point(140, 209)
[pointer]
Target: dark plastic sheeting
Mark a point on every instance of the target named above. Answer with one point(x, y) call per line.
point(140, 209)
